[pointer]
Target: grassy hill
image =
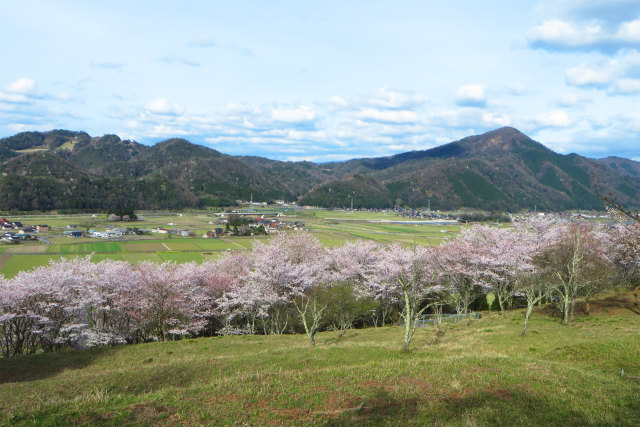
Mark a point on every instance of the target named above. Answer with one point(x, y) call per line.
point(483, 373)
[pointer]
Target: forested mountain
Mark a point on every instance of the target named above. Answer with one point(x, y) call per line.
point(502, 169)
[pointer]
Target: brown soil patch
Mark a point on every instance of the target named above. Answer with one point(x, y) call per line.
point(146, 413)
point(389, 386)
point(339, 402)
point(417, 383)
point(26, 249)
point(500, 393)
point(289, 416)
point(613, 305)
point(3, 260)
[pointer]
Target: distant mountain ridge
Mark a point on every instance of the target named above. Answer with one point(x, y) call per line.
point(502, 169)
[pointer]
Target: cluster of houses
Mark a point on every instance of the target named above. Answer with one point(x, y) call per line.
point(114, 233)
point(418, 214)
point(15, 231)
point(182, 232)
point(256, 225)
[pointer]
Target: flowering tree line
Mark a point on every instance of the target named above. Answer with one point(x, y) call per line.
point(293, 284)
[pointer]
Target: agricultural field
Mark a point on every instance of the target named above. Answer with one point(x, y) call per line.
point(484, 373)
point(332, 228)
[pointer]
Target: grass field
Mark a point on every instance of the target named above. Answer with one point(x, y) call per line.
point(17, 263)
point(478, 374)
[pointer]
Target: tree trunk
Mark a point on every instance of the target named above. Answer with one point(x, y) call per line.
point(540, 299)
point(587, 307)
point(438, 319)
point(408, 322)
point(565, 310)
point(501, 303)
point(526, 316)
point(572, 309)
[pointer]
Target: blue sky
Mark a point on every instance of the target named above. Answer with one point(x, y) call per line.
point(328, 80)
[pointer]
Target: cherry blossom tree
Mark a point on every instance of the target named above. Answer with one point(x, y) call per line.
point(292, 266)
point(283, 271)
point(575, 257)
point(348, 268)
point(173, 304)
point(408, 275)
point(17, 323)
point(459, 276)
point(502, 257)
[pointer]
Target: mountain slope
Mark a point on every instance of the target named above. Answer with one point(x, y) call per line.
point(501, 169)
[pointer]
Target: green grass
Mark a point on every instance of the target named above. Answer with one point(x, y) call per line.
point(482, 374)
point(180, 257)
point(18, 263)
point(85, 248)
point(135, 258)
point(214, 244)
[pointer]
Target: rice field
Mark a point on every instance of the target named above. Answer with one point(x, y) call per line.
point(332, 228)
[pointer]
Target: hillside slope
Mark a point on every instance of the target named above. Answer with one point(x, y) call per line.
point(479, 374)
point(501, 169)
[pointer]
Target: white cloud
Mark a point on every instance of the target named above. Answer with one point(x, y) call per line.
point(563, 33)
point(24, 127)
point(464, 118)
point(618, 75)
point(388, 116)
point(583, 75)
point(391, 99)
point(296, 115)
point(338, 101)
point(163, 107)
point(558, 118)
point(573, 100)
point(626, 86)
point(629, 31)
point(165, 131)
point(499, 120)
point(471, 95)
point(516, 89)
point(20, 91)
point(15, 98)
point(23, 85)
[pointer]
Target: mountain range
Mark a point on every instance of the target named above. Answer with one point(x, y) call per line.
point(499, 170)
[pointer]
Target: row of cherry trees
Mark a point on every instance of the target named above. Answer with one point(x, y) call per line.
point(282, 285)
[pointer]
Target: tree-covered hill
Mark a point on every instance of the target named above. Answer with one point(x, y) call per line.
point(502, 169)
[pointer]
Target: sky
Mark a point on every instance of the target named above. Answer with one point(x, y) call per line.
point(326, 80)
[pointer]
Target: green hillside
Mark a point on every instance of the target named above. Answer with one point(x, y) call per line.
point(502, 169)
point(478, 374)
